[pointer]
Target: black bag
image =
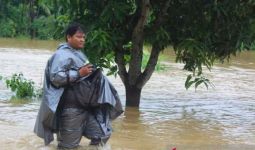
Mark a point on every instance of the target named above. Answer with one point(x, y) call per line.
point(87, 90)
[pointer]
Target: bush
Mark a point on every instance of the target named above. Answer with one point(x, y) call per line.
point(23, 87)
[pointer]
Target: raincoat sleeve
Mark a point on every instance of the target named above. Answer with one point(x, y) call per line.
point(63, 70)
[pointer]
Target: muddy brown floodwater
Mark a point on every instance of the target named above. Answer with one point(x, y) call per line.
point(169, 116)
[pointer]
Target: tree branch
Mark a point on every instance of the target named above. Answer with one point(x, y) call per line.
point(119, 59)
point(137, 44)
point(150, 67)
point(161, 16)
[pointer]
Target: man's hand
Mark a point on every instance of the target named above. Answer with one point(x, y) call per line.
point(86, 70)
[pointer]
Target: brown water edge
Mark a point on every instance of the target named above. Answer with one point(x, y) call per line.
point(29, 44)
point(244, 59)
point(169, 116)
point(166, 55)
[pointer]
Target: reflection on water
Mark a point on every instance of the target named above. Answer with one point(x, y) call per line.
point(169, 116)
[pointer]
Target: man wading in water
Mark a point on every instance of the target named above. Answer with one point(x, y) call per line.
point(78, 100)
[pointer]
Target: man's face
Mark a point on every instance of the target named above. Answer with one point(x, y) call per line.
point(77, 40)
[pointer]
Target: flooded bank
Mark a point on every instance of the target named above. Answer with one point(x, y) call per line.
point(169, 116)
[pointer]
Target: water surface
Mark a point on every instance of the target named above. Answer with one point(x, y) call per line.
point(169, 115)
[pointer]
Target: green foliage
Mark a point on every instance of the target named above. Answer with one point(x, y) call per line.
point(23, 87)
point(158, 67)
point(17, 13)
point(161, 38)
point(115, 11)
point(193, 54)
point(200, 31)
point(127, 48)
point(7, 28)
point(252, 47)
point(45, 27)
point(217, 29)
point(13, 18)
point(99, 50)
point(197, 80)
point(24, 18)
point(205, 31)
point(62, 22)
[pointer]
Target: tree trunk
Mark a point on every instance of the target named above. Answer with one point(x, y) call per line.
point(134, 79)
point(32, 16)
point(133, 95)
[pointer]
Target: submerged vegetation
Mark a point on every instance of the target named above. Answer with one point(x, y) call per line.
point(24, 89)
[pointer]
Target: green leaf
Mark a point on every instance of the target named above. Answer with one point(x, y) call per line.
point(187, 80)
point(198, 83)
point(189, 84)
point(206, 85)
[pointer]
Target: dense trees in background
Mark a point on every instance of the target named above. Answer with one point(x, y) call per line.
point(29, 18)
point(200, 31)
point(41, 19)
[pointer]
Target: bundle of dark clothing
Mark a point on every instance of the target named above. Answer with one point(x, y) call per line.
point(92, 92)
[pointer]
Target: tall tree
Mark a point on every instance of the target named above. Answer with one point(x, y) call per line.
point(201, 31)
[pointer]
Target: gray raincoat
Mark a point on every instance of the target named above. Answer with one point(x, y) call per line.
point(62, 71)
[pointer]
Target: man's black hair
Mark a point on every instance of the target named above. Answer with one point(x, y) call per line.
point(73, 28)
